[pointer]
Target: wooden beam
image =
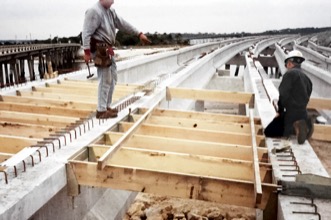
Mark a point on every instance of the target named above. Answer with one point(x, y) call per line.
point(64, 97)
point(187, 146)
point(256, 168)
point(41, 119)
point(43, 109)
point(319, 103)
point(13, 144)
point(5, 156)
point(26, 130)
point(212, 95)
point(199, 124)
point(94, 86)
point(212, 117)
point(50, 102)
point(103, 160)
point(322, 132)
point(193, 134)
point(240, 193)
point(181, 163)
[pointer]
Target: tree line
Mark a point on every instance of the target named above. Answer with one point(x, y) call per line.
point(123, 39)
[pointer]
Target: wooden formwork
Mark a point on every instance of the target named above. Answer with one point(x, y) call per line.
point(197, 155)
point(31, 119)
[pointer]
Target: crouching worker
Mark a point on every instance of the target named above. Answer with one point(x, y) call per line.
point(294, 93)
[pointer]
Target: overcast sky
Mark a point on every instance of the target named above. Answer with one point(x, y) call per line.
point(40, 19)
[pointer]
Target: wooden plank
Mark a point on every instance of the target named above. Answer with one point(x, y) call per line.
point(187, 146)
point(322, 132)
point(50, 102)
point(78, 85)
point(73, 189)
point(202, 116)
point(256, 168)
point(103, 160)
point(43, 109)
point(319, 103)
point(194, 134)
point(26, 130)
point(13, 144)
point(212, 95)
point(240, 193)
point(199, 124)
point(92, 92)
point(95, 83)
point(64, 97)
point(5, 156)
point(182, 163)
point(41, 119)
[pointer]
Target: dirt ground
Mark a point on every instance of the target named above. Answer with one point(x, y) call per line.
point(154, 207)
point(323, 151)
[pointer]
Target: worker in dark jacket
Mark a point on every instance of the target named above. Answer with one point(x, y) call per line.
point(294, 93)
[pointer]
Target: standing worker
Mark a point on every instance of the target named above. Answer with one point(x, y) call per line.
point(294, 93)
point(99, 33)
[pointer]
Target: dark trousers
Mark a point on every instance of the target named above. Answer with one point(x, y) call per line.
point(275, 128)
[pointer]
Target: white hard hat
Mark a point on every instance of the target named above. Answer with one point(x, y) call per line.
point(296, 56)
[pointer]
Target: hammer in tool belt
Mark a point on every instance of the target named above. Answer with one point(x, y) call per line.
point(89, 72)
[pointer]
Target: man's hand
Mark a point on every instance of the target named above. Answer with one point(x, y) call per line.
point(87, 55)
point(143, 38)
point(87, 58)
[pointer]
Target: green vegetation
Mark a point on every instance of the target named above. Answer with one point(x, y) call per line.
point(123, 39)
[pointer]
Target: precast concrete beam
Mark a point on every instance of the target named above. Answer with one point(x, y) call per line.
point(322, 61)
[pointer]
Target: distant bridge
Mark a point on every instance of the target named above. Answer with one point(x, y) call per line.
point(51, 57)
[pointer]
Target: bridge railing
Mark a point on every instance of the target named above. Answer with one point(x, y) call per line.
point(6, 50)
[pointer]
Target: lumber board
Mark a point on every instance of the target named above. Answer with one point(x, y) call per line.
point(5, 156)
point(212, 95)
point(26, 130)
point(201, 115)
point(42, 119)
point(65, 97)
point(181, 163)
point(193, 134)
point(319, 103)
point(103, 160)
point(255, 160)
point(13, 144)
point(43, 109)
point(322, 132)
point(227, 191)
point(50, 102)
point(199, 124)
point(186, 146)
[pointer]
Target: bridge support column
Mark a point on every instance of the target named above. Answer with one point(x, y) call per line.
point(2, 82)
point(200, 106)
point(41, 66)
point(266, 69)
point(7, 75)
point(22, 78)
point(31, 68)
point(237, 70)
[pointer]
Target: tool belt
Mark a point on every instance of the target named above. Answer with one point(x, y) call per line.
point(103, 53)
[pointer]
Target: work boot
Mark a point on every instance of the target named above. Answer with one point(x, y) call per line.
point(112, 110)
point(301, 130)
point(310, 126)
point(105, 115)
